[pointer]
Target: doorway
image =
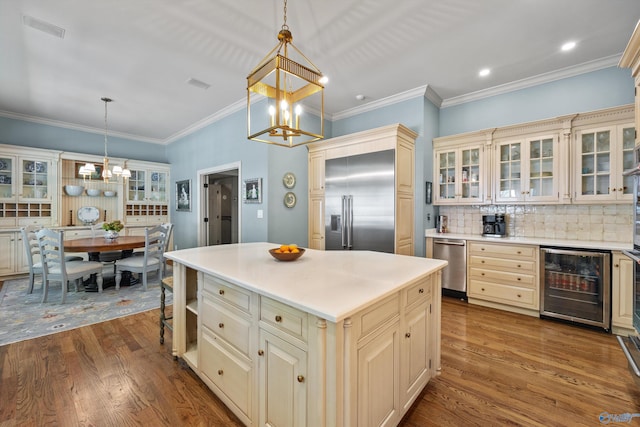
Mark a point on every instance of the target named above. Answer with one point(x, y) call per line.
point(219, 217)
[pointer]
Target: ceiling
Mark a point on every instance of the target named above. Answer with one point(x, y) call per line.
point(141, 53)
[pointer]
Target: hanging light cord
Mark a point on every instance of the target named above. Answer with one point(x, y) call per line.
point(285, 26)
point(106, 100)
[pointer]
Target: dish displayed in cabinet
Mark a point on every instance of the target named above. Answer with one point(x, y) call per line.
point(4, 179)
point(88, 214)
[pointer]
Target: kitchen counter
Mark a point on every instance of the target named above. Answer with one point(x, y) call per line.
point(538, 241)
point(340, 337)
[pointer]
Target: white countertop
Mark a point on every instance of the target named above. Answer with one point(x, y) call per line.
point(539, 241)
point(329, 284)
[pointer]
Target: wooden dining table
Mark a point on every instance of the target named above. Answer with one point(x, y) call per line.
point(94, 245)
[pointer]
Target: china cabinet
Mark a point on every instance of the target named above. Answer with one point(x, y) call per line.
point(601, 155)
point(396, 137)
point(459, 172)
point(147, 194)
point(527, 170)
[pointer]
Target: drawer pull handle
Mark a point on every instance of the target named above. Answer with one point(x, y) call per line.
point(300, 378)
point(519, 252)
point(519, 279)
point(519, 266)
point(482, 249)
point(421, 291)
point(408, 335)
point(519, 296)
point(482, 289)
point(221, 291)
point(482, 274)
point(260, 352)
point(278, 318)
point(220, 325)
point(220, 372)
point(482, 261)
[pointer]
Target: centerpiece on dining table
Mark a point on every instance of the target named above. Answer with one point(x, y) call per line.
point(112, 229)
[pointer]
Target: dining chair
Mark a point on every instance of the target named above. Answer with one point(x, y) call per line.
point(151, 260)
point(168, 226)
point(32, 253)
point(55, 268)
point(109, 257)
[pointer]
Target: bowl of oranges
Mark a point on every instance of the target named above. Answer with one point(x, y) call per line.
point(287, 252)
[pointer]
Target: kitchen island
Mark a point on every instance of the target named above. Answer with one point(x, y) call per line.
point(336, 338)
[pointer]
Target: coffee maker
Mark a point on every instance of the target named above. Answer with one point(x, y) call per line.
point(494, 225)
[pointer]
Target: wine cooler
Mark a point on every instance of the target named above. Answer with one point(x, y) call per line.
point(576, 286)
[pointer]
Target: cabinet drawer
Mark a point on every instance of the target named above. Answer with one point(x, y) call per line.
point(377, 315)
point(506, 277)
point(227, 292)
point(231, 374)
point(505, 294)
point(234, 328)
point(514, 265)
point(418, 293)
point(284, 318)
point(42, 220)
point(505, 250)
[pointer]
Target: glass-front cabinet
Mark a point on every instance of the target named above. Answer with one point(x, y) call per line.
point(148, 186)
point(459, 175)
point(147, 196)
point(527, 170)
point(602, 154)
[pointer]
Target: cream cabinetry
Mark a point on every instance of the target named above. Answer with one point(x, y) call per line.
point(504, 276)
point(12, 255)
point(28, 186)
point(602, 153)
point(461, 169)
point(147, 194)
point(622, 294)
point(396, 137)
point(631, 59)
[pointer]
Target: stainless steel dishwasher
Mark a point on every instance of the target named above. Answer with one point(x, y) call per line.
point(454, 275)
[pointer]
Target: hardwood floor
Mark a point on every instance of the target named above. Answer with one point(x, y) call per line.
point(498, 368)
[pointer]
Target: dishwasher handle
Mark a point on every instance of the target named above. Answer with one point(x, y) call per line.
point(449, 242)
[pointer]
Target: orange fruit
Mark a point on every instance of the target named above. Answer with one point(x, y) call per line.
point(295, 251)
point(284, 248)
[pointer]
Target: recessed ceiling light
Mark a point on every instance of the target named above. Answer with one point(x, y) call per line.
point(360, 97)
point(484, 72)
point(198, 83)
point(568, 46)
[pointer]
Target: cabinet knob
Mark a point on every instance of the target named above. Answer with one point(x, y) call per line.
point(613, 189)
point(621, 189)
point(421, 291)
point(220, 372)
point(220, 325)
point(615, 265)
point(482, 249)
point(519, 296)
point(519, 266)
point(482, 262)
point(408, 335)
point(482, 274)
point(300, 378)
point(519, 252)
point(519, 279)
point(221, 291)
point(260, 352)
point(482, 289)
point(278, 318)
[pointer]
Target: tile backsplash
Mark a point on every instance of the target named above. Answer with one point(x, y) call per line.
point(611, 223)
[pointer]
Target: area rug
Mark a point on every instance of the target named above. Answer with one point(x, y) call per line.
point(23, 316)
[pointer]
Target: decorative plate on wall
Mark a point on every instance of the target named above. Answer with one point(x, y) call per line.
point(289, 199)
point(289, 180)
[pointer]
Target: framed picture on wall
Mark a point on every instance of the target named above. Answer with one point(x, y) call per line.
point(252, 191)
point(94, 175)
point(183, 195)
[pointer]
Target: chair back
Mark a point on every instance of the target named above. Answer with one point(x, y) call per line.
point(154, 243)
point(31, 246)
point(169, 229)
point(51, 245)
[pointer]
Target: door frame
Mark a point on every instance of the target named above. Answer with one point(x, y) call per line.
point(202, 193)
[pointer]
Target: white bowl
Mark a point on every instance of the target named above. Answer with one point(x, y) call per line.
point(93, 192)
point(109, 193)
point(73, 190)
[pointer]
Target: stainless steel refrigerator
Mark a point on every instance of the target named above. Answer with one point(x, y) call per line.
point(360, 202)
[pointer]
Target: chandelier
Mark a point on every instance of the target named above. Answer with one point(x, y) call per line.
point(107, 173)
point(284, 81)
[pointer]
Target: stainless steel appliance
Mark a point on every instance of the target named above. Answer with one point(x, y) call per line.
point(454, 275)
point(494, 225)
point(577, 286)
point(631, 344)
point(360, 203)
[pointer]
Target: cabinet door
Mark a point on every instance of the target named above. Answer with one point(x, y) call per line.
point(622, 291)
point(7, 253)
point(509, 172)
point(158, 187)
point(316, 223)
point(542, 170)
point(136, 186)
point(378, 379)
point(446, 161)
point(627, 134)
point(414, 370)
point(283, 389)
point(316, 173)
point(34, 179)
point(7, 178)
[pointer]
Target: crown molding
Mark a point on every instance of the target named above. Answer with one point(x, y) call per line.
point(587, 67)
point(66, 125)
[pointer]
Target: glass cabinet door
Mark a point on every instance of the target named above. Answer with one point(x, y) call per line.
point(596, 162)
point(628, 159)
point(159, 187)
point(35, 183)
point(541, 168)
point(470, 180)
point(447, 175)
point(509, 170)
point(136, 186)
point(6, 177)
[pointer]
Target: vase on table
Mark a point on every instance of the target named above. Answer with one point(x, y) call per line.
point(111, 235)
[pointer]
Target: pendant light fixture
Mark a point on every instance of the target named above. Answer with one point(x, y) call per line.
point(285, 77)
point(107, 173)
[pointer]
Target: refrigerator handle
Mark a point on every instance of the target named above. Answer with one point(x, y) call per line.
point(343, 225)
point(350, 231)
